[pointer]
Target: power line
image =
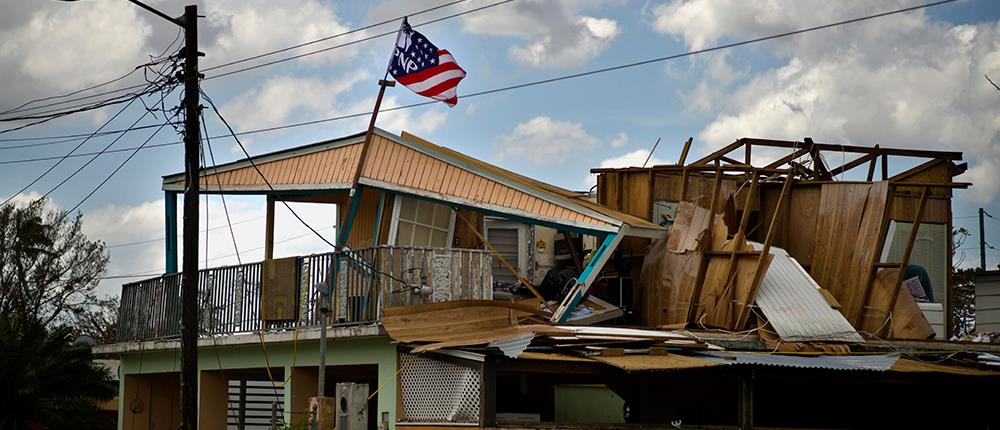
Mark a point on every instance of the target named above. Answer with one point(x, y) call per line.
point(353, 42)
point(113, 172)
point(242, 251)
point(70, 153)
point(538, 82)
point(554, 79)
point(266, 54)
point(144, 241)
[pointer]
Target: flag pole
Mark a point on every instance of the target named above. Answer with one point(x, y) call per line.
point(345, 230)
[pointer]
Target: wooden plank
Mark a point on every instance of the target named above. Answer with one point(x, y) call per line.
point(909, 247)
point(763, 260)
point(839, 218)
point(866, 250)
point(684, 151)
point(496, 254)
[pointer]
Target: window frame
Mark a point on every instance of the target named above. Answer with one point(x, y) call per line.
point(394, 225)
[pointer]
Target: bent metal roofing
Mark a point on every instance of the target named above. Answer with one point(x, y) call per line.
point(410, 165)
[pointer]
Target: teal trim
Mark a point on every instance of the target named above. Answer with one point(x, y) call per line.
point(170, 230)
point(378, 217)
point(590, 270)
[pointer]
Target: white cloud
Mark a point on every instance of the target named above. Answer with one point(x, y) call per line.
point(629, 159)
point(276, 100)
point(421, 120)
point(543, 140)
point(620, 140)
point(56, 47)
point(900, 81)
point(252, 27)
point(555, 34)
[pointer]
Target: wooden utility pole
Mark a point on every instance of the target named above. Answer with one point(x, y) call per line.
point(189, 268)
point(982, 241)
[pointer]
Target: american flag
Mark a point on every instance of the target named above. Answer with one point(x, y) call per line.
point(423, 68)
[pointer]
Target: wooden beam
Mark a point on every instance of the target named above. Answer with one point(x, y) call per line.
point(715, 155)
point(758, 276)
point(503, 261)
point(684, 151)
point(793, 155)
point(871, 166)
point(885, 166)
point(873, 269)
point(906, 253)
point(867, 158)
point(269, 230)
point(730, 161)
point(819, 165)
point(948, 155)
point(572, 251)
point(703, 267)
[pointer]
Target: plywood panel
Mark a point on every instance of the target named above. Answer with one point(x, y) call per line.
point(840, 210)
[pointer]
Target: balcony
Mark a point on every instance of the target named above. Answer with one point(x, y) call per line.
point(367, 280)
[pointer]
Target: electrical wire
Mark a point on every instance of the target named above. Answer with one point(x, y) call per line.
point(113, 172)
point(144, 241)
point(266, 54)
point(532, 83)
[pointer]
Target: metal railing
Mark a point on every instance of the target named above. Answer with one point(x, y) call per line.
point(367, 280)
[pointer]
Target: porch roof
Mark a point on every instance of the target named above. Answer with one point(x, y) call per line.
point(413, 166)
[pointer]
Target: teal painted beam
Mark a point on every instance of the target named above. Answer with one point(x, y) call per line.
point(170, 230)
point(586, 278)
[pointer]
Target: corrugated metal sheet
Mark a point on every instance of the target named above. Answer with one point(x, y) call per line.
point(513, 347)
point(794, 307)
point(878, 363)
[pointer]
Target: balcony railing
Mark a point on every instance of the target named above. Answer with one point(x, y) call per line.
point(367, 280)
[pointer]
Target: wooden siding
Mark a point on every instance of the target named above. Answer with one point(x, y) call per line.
point(332, 166)
point(468, 181)
point(363, 228)
point(405, 167)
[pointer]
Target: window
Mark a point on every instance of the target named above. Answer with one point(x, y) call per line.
point(509, 240)
point(420, 223)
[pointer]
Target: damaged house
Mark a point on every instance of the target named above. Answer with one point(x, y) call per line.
point(712, 293)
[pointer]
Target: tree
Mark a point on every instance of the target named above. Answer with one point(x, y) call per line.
point(48, 268)
point(99, 321)
point(963, 290)
point(48, 380)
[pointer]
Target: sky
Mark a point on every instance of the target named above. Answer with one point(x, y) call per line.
point(912, 80)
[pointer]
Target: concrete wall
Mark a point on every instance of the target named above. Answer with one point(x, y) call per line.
point(152, 375)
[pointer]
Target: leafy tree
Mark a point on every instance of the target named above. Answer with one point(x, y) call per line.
point(48, 268)
point(49, 382)
point(963, 290)
point(99, 321)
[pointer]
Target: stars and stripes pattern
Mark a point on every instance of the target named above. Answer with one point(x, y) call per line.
point(422, 67)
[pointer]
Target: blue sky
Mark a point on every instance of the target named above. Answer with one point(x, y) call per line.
point(912, 80)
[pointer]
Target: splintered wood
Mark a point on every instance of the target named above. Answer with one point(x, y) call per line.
point(669, 285)
point(670, 268)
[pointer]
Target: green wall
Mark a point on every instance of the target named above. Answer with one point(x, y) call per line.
point(372, 350)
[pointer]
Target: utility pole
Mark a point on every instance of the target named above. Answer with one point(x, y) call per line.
point(982, 241)
point(189, 276)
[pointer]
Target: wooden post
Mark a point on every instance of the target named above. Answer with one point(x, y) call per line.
point(503, 261)
point(684, 151)
point(885, 165)
point(488, 393)
point(872, 271)
point(906, 252)
point(684, 185)
point(746, 399)
point(577, 262)
point(703, 267)
point(743, 313)
point(871, 166)
point(269, 229)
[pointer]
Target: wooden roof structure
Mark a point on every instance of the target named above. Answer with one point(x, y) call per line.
point(409, 165)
